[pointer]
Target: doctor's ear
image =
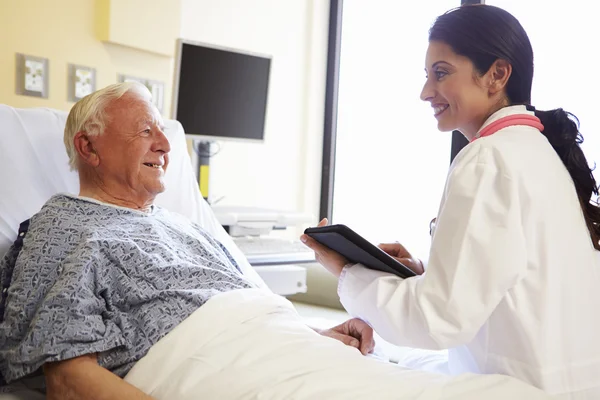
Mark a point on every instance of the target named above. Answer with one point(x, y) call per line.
point(498, 75)
point(85, 149)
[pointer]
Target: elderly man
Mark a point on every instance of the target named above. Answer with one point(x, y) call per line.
point(103, 276)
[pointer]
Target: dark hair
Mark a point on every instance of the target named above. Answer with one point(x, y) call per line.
point(485, 34)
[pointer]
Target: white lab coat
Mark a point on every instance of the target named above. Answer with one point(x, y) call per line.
point(512, 284)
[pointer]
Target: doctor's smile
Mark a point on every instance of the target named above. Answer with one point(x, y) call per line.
point(439, 109)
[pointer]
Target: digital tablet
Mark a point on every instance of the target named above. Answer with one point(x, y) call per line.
point(356, 249)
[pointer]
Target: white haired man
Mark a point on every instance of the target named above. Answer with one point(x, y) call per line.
point(103, 276)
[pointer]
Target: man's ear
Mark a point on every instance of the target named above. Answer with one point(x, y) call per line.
point(85, 149)
point(498, 76)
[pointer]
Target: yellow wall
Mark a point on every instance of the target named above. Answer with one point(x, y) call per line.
point(66, 31)
point(159, 27)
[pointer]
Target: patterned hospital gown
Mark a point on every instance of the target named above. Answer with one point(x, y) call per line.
point(95, 278)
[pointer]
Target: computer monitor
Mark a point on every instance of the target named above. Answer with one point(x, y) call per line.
point(220, 93)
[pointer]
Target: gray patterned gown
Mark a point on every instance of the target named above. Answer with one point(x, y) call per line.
point(95, 278)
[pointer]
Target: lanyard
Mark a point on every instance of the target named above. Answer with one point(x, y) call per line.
point(510, 120)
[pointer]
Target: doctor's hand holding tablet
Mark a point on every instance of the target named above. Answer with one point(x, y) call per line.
point(324, 240)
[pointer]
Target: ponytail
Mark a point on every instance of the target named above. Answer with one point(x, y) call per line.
point(564, 136)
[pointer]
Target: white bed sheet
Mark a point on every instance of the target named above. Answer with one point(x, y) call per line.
point(251, 344)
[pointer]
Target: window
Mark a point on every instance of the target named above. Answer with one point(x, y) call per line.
point(391, 161)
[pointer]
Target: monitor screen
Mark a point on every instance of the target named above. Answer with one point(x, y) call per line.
point(220, 93)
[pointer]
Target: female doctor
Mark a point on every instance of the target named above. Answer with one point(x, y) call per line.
point(513, 280)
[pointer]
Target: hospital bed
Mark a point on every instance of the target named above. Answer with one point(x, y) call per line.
point(35, 167)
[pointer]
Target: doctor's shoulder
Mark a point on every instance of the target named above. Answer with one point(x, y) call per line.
point(510, 150)
point(485, 154)
point(488, 167)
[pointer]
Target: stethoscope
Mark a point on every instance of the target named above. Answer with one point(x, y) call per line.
point(504, 122)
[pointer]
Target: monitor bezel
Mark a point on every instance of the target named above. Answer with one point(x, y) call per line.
point(174, 102)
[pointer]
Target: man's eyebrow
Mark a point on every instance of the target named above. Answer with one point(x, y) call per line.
point(145, 121)
point(158, 121)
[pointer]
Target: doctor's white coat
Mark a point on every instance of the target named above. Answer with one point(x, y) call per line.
point(512, 284)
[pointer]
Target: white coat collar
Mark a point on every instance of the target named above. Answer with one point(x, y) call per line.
point(503, 112)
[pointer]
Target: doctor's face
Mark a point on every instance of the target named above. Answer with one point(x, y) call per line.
point(455, 90)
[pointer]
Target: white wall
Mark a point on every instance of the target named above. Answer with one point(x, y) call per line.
point(284, 171)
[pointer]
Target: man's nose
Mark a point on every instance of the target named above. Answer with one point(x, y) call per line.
point(162, 142)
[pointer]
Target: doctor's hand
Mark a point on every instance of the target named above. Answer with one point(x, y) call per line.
point(328, 258)
point(354, 332)
point(397, 251)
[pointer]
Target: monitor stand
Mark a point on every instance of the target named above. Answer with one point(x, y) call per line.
point(202, 166)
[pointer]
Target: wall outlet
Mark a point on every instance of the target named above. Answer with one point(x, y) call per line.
point(82, 81)
point(32, 76)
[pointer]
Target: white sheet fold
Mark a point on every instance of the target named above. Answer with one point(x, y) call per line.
point(251, 344)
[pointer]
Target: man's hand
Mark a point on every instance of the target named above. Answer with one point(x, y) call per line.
point(397, 251)
point(328, 258)
point(354, 332)
point(82, 378)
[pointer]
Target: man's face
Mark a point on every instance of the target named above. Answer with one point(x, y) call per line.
point(132, 151)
